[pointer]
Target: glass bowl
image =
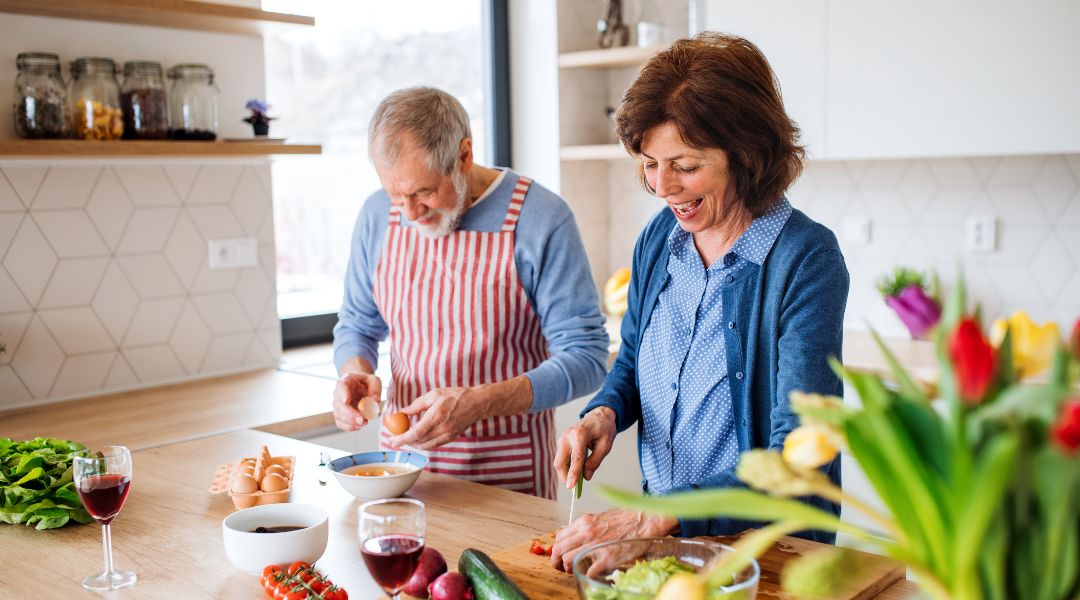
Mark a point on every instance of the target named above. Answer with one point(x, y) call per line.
point(593, 565)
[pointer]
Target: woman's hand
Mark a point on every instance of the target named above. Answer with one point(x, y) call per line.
point(350, 389)
point(595, 432)
point(615, 524)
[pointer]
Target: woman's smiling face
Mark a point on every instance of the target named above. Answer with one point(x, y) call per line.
point(694, 182)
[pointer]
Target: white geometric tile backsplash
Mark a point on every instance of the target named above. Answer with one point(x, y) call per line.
point(104, 279)
point(916, 209)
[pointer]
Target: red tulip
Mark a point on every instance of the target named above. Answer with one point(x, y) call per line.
point(1067, 430)
point(973, 361)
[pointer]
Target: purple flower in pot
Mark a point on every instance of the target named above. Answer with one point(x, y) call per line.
point(260, 121)
point(918, 311)
point(904, 293)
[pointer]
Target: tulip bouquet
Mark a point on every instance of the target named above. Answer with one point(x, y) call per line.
point(980, 475)
point(906, 293)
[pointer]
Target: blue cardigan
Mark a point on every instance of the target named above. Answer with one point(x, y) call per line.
point(789, 316)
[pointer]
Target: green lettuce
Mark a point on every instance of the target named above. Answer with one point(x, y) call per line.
point(644, 578)
point(36, 486)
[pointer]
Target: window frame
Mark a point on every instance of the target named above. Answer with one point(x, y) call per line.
point(318, 328)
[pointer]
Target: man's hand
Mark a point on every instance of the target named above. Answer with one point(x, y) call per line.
point(596, 432)
point(447, 412)
point(615, 524)
point(354, 385)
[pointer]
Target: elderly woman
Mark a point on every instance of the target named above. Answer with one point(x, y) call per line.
point(736, 298)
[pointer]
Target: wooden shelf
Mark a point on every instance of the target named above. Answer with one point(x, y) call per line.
point(594, 152)
point(139, 148)
point(627, 56)
point(176, 14)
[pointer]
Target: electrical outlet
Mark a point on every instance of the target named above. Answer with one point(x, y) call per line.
point(980, 234)
point(233, 253)
point(857, 230)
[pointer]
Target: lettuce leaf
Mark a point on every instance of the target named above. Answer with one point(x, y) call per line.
point(36, 487)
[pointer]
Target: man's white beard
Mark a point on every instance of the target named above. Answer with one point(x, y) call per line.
point(449, 218)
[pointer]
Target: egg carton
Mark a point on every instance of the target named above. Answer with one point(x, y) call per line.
point(225, 475)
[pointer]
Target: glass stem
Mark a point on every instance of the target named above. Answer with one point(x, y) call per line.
point(106, 542)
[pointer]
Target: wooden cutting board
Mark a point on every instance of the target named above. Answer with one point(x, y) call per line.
point(537, 579)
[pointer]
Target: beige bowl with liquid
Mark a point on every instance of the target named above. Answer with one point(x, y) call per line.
point(378, 475)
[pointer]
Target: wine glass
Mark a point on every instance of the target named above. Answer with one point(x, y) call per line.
point(103, 483)
point(391, 539)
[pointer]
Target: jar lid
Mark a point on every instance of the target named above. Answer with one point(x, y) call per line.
point(94, 64)
point(191, 71)
point(37, 59)
point(142, 67)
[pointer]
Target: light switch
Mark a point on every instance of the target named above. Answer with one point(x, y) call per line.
point(233, 253)
point(857, 230)
point(980, 234)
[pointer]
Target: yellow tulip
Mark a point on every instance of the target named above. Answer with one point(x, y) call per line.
point(1033, 346)
point(809, 447)
point(681, 586)
point(615, 292)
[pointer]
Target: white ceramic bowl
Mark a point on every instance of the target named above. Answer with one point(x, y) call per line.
point(378, 488)
point(251, 552)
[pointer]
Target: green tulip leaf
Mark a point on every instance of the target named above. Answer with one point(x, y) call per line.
point(731, 503)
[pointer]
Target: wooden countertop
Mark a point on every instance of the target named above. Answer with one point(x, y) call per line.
point(170, 529)
point(276, 401)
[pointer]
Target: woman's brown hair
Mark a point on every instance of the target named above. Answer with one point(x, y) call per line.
point(720, 92)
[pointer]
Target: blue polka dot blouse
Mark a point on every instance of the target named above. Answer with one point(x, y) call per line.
point(687, 430)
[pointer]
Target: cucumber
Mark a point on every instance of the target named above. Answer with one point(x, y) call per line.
point(487, 580)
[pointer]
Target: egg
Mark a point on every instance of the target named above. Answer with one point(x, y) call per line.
point(244, 484)
point(273, 482)
point(397, 423)
point(280, 470)
point(369, 407)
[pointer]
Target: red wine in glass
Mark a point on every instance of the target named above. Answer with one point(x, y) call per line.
point(103, 496)
point(391, 540)
point(103, 481)
point(392, 559)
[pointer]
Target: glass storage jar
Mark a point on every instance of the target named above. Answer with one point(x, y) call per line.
point(40, 101)
point(143, 99)
point(193, 103)
point(95, 100)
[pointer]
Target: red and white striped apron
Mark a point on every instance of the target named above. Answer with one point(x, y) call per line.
point(459, 317)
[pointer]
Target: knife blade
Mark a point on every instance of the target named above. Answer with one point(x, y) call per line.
point(577, 490)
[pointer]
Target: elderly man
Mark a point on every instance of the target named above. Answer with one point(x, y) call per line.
point(480, 278)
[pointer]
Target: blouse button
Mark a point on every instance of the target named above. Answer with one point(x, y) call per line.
point(738, 375)
point(730, 278)
point(731, 325)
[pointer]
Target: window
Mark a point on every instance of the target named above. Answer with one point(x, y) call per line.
point(323, 84)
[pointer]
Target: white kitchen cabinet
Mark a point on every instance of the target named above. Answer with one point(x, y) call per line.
point(792, 36)
point(958, 78)
point(874, 80)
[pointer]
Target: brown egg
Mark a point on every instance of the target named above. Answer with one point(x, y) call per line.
point(369, 407)
point(244, 484)
point(397, 423)
point(280, 470)
point(272, 482)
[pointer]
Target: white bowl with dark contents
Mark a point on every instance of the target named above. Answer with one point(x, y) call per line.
point(378, 475)
point(275, 534)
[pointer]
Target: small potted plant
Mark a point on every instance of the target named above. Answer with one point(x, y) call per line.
point(260, 121)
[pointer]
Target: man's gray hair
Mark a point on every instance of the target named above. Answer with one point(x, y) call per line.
point(436, 120)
